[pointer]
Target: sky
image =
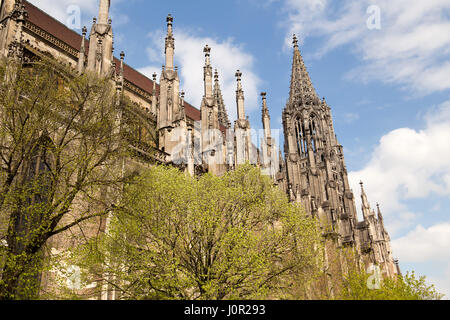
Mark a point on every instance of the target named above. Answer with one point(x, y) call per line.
point(383, 66)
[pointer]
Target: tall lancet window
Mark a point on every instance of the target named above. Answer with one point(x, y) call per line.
point(302, 146)
point(314, 137)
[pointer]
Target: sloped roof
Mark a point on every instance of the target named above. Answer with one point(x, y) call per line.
point(73, 39)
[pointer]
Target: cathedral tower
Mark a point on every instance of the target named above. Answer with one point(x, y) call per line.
point(317, 175)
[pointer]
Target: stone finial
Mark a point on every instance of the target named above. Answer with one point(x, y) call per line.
point(169, 19)
point(380, 215)
point(207, 50)
point(216, 75)
point(122, 55)
point(239, 86)
point(170, 43)
point(295, 41)
point(154, 76)
point(182, 94)
point(238, 75)
point(84, 31)
point(265, 110)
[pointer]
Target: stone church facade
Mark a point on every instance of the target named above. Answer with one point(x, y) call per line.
point(312, 170)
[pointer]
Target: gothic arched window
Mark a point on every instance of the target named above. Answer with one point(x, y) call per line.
point(314, 132)
point(300, 137)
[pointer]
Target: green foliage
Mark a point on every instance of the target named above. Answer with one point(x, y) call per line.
point(407, 287)
point(230, 237)
point(59, 144)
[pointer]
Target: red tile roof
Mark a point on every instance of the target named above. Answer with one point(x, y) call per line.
point(52, 26)
point(73, 39)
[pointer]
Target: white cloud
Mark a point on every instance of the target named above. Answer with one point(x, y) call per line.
point(424, 245)
point(412, 48)
point(409, 164)
point(430, 246)
point(351, 117)
point(58, 9)
point(226, 57)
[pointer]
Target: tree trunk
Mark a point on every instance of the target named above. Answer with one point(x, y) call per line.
point(21, 277)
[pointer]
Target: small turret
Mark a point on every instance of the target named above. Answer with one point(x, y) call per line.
point(121, 70)
point(207, 74)
point(365, 206)
point(100, 58)
point(170, 44)
point(154, 98)
point(266, 118)
point(380, 216)
point(103, 12)
point(240, 97)
point(182, 114)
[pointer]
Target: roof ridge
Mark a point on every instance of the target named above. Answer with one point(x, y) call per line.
point(135, 82)
point(56, 20)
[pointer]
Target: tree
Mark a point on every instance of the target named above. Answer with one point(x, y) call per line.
point(59, 151)
point(407, 287)
point(229, 237)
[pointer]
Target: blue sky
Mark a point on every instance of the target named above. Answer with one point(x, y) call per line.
point(388, 87)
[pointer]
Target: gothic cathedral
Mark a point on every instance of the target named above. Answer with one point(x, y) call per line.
point(198, 140)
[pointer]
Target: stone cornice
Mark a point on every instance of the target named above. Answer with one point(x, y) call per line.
point(52, 39)
point(140, 92)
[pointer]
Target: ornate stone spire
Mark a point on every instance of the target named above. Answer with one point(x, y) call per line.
point(170, 44)
point(207, 74)
point(121, 69)
point(240, 97)
point(82, 56)
point(266, 118)
point(154, 98)
point(100, 58)
point(365, 206)
point(182, 108)
point(244, 148)
point(103, 12)
point(365, 202)
point(265, 110)
point(380, 215)
point(302, 91)
point(218, 97)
